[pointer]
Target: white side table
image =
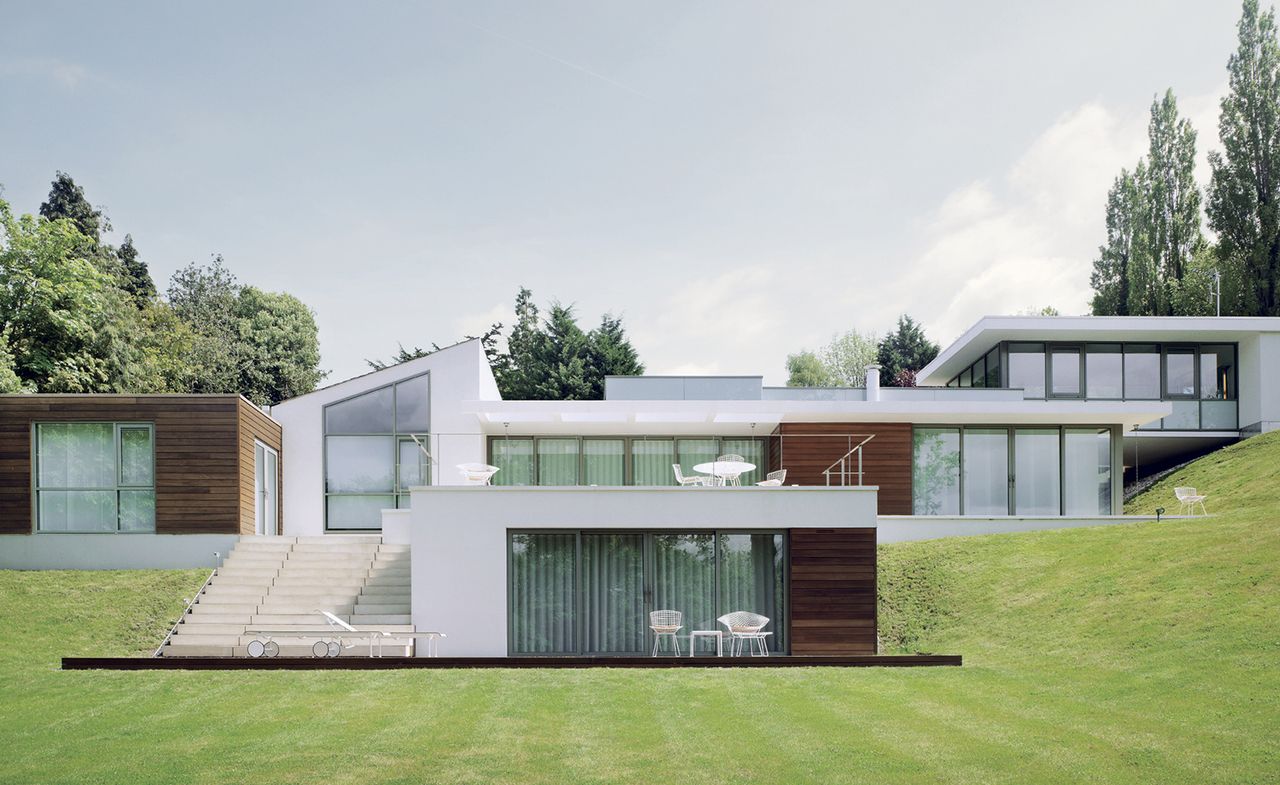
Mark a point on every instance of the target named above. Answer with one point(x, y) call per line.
point(694, 635)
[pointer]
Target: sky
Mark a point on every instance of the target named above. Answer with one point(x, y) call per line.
point(738, 180)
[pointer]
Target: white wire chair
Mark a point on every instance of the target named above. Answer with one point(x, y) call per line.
point(666, 624)
point(681, 479)
point(477, 473)
point(774, 478)
point(1188, 498)
point(732, 457)
point(746, 626)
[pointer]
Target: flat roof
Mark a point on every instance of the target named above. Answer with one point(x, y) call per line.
point(991, 330)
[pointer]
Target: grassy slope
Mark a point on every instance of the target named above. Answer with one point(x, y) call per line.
point(1137, 653)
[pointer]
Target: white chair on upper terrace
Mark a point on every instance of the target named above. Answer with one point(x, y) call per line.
point(774, 478)
point(683, 480)
point(1188, 498)
point(477, 473)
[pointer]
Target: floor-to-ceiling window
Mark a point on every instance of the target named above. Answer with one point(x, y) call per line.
point(95, 477)
point(616, 460)
point(1086, 471)
point(986, 471)
point(935, 472)
point(1037, 479)
point(372, 454)
point(590, 592)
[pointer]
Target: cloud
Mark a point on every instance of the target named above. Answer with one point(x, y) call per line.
point(66, 74)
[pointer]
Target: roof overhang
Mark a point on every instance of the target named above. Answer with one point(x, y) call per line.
point(991, 330)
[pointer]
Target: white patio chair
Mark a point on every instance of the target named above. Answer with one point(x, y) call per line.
point(746, 626)
point(732, 457)
point(665, 624)
point(1188, 498)
point(477, 473)
point(774, 478)
point(683, 480)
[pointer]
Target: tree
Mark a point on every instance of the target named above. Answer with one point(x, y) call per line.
point(488, 341)
point(610, 353)
point(135, 278)
point(905, 349)
point(278, 346)
point(204, 298)
point(563, 357)
point(519, 380)
point(1243, 204)
point(1173, 198)
point(67, 200)
point(806, 370)
point(9, 380)
point(847, 356)
point(1126, 241)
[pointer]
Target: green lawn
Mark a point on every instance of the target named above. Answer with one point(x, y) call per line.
point(1146, 653)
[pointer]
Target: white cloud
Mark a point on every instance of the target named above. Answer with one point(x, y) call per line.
point(66, 74)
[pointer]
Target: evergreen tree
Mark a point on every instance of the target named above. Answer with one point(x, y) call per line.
point(610, 353)
point(135, 278)
point(519, 380)
point(67, 200)
point(1243, 203)
point(905, 349)
point(1173, 199)
point(562, 371)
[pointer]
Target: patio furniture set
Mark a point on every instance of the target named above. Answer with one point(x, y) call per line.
point(727, 470)
point(743, 629)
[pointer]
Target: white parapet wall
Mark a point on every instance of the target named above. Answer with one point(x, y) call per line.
point(459, 537)
point(50, 551)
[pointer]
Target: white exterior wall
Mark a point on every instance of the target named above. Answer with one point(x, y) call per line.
point(458, 373)
point(59, 551)
point(1259, 392)
point(459, 537)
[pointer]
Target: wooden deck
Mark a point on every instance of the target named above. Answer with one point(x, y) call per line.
point(397, 663)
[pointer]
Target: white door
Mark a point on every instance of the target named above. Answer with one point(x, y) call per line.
point(266, 465)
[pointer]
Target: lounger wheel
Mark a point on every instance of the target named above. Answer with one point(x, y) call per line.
point(270, 649)
point(256, 648)
point(320, 649)
point(335, 648)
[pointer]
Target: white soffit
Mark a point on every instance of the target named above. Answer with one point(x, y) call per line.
point(501, 417)
point(595, 417)
point(771, 418)
point(671, 417)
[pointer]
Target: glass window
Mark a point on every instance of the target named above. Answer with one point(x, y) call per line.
point(542, 593)
point(684, 578)
point(413, 405)
point(1065, 368)
point(1087, 471)
point(613, 593)
point(751, 579)
point(412, 465)
point(935, 475)
point(1142, 371)
point(367, 413)
point(1218, 415)
point(360, 464)
point(1104, 371)
point(603, 462)
point(986, 471)
point(1217, 372)
point(1180, 372)
point(651, 461)
point(979, 373)
point(752, 450)
point(993, 368)
point(1036, 468)
point(1026, 368)
point(692, 452)
point(1184, 417)
point(514, 459)
point(966, 377)
point(557, 461)
point(95, 477)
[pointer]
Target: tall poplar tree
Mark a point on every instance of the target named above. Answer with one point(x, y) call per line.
point(1243, 204)
point(1126, 212)
point(1173, 198)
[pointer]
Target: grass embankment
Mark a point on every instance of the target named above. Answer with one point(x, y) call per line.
point(1121, 654)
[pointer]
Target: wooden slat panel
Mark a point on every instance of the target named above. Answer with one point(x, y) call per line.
point(833, 591)
point(196, 443)
point(806, 449)
point(253, 425)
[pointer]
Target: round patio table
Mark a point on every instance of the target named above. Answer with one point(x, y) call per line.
point(729, 470)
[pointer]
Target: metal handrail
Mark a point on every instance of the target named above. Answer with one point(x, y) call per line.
point(844, 473)
point(185, 611)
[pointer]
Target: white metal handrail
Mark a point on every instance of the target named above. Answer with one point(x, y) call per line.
point(174, 630)
point(843, 463)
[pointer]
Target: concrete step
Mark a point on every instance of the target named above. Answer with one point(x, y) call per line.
point(224, 608)
point(312, 599)
point(247, 573)
point(258, 544)
point(401, 590)
point(309, 608)
point(397, 548)
point(366, 619)
point(332, 590)
point(341, 547)
point(339, 538)
point(252, 562)
point(234, 589)
point(208, 617)
point(381, 579)
point(364, 608)
point(324, 573)
point(309, 619)
point(176, 649)
point(233, 598)
point(187, 630)
point(313, 626)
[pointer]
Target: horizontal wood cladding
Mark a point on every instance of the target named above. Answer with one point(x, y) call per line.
point(198, 441)
point(805, 450)
point(833, 591)
point(256, 426)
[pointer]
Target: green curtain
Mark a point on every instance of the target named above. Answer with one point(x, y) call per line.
point(557, 461)
point(613, 593)
point(753, 451)
point(603, 462)
point(651, 461)
point(514, 459)
point(542, 593)
point(695, 451)
point(751, 579)
point(684, 578)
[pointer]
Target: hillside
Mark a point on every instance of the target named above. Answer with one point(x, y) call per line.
point(1121, 654)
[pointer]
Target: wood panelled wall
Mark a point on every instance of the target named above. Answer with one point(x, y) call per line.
point(833, 591)
point(254, 425)
point(806, 449)
point(198, 447)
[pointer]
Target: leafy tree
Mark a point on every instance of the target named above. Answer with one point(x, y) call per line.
point(67, 200)
point(135, 278)
point(1126, 227)
point(1243, 203)
point(806, 370)
point(204, 298)
point(9, 380)
point(905, 349)
point(1047, 310)
point(279, 347)
point(1173, 197)
point(847, 356)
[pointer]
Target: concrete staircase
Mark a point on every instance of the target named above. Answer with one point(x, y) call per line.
point(280, 582)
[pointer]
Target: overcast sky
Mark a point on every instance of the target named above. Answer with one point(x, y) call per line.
point(738, 180)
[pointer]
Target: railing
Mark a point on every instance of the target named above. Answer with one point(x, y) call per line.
point(846, 460)
point(195, 598)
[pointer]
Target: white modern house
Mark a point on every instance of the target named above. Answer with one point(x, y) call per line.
point(601, 511)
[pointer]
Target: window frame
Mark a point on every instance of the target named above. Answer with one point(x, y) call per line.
point(628, 474)
point(116, 488)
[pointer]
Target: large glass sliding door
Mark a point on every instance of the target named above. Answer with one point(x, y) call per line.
point(591, 592)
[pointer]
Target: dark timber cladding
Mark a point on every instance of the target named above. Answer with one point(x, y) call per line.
point(833, 591)
point(805, 450)
point(203, 455)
